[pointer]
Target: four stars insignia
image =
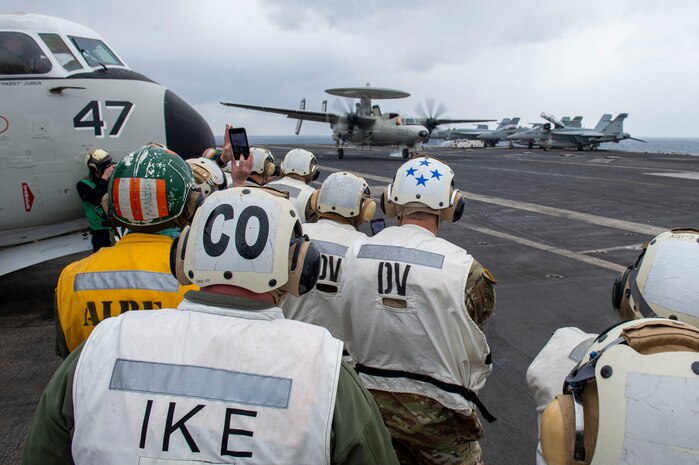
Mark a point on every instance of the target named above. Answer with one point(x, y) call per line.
point(422, 180)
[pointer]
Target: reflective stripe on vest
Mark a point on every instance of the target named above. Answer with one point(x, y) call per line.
point(129, 279)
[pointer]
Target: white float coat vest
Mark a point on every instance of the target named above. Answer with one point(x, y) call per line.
point(205, 384)
point(323, 306)
point(547, 371)
point(433, 335)
point(299, 193)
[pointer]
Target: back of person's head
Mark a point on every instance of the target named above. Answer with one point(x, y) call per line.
point(426, 185)
point(263, 161)
point(248, 237)
point(632, 399)
point(208, 177)
point(97, 161)
point(663, 281)
point(151, 189)
point(301, 163)
point(344, 197)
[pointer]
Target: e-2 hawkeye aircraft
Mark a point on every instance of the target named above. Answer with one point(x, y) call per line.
point(367, 125)
point(64, 92)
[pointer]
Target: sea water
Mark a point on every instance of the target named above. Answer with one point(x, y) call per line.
point(669, 145)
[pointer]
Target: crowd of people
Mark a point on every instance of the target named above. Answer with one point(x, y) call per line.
point(284, 334)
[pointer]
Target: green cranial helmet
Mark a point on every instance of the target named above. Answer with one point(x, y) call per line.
point(151, 189)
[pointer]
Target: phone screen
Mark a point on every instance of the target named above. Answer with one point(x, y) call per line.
point(377, 225)
point(239, 142)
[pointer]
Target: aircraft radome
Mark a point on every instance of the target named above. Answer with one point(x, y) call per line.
point(366, 125)
point(65, 91)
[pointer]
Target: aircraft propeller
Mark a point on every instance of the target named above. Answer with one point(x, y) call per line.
point(430, 113)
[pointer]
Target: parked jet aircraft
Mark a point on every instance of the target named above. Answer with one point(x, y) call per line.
point(64, 91)
point(467, 133)
point(367, 125)
point(560, 136)
point(491, 138)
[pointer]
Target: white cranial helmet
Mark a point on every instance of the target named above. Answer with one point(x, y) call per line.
point(263, 161)
point(209, 177)
point(346, 195)
point(424, 184)
point(248, 237)
point(299, 161)
point(663, 282)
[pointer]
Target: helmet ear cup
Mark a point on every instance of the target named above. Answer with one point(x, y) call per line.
point(269, 168)
point(618, 289)
point(313, 201)
point(304, 266)
point(455, 210)
point(389, 208)
point(368, 210)
point(177, 251)
point(194, 201)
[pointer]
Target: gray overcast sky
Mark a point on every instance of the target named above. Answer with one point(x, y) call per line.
point(488, 59)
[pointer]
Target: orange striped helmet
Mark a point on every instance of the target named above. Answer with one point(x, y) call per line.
point(151, 189)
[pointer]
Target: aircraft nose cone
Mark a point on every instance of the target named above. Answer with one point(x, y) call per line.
point(423, 133)
point(187, 133)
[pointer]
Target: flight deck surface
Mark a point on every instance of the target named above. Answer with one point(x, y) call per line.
point(555, 228)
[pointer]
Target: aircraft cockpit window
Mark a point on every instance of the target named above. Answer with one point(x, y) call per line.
point(61, 51)
point(19, 54)
point(96, 52)
point(409, 121)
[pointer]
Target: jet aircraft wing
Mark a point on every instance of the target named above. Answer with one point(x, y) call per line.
point(318, 116)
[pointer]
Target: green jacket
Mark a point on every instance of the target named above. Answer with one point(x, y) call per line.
point(358, 433)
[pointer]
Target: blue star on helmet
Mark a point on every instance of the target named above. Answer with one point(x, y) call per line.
point(421, 180)
point(410, 172)
point(436, 174)
point(425, 163)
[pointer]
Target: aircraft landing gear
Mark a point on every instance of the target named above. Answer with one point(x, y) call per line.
point(530, 144)
point(406, 153)
point(340, 153)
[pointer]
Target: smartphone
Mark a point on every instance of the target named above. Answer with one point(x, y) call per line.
point(377, 225)
point(239, 143)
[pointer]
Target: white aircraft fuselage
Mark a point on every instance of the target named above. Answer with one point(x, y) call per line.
point(65, 92)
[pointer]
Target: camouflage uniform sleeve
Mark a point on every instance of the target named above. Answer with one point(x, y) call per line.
point(50, 434)
point(359, 434)
point(480, 294)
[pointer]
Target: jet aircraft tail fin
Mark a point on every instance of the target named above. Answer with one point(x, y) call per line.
point(603, 122)
point(616, 127)
point(503, 123)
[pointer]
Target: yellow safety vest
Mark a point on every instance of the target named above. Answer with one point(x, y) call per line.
point(134, 274)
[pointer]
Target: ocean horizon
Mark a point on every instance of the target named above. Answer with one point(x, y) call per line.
point(668, 145)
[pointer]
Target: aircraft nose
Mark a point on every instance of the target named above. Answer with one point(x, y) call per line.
point(187, 133)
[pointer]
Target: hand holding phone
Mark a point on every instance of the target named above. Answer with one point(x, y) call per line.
point(377, 225)
point(239, 143)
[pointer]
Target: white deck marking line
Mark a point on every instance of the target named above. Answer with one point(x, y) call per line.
point(559, 212)
point(679, 174)
point(547, 248)
point(612, 249)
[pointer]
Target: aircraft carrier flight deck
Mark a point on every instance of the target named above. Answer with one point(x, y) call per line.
point(554, 227)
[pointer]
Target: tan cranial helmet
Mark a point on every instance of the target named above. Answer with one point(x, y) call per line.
point(263, 161)
point(423, 184)
point(208, 176)
point(632, 399)
point(300, 162)
point(97, 160)
point(663, 282)
point(346, 195)
point(246, 237)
